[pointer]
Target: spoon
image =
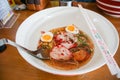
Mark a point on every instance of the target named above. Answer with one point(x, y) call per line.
point(37, 53)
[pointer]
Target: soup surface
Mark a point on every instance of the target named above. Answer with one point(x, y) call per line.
point(68, 47)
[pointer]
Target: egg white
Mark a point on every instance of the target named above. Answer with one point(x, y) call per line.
point(75, 30)
point(47, 33)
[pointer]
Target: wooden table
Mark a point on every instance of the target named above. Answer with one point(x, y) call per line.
point(14, 67)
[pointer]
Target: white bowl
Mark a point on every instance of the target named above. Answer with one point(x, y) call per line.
point(29, 32)
point(111, 7)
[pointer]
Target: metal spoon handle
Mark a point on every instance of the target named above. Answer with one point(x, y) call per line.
point(4, 41)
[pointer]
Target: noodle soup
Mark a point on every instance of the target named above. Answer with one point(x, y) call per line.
point(68, 47)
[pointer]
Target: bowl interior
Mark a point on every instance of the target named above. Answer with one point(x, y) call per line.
point(28, 35)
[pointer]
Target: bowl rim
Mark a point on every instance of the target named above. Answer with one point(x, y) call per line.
point(108, 5)
point(108, 10)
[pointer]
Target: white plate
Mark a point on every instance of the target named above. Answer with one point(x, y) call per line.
point(29, 32)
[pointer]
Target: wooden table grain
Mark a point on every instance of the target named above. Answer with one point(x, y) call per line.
point(14, 67)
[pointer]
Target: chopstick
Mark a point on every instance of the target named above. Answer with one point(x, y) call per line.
point(110, 61)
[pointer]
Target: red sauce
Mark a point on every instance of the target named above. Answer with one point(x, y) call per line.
point(81, 51)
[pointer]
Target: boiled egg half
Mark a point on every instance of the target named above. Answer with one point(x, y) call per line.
point(72, 29)
point(47, 37)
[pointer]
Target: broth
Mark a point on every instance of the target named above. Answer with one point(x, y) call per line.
point(79, 46)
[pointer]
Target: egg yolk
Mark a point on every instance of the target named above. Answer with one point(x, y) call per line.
point(71, 28)
point(46, 37)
